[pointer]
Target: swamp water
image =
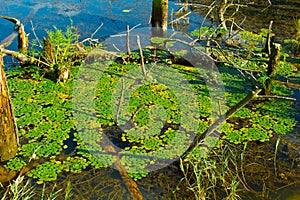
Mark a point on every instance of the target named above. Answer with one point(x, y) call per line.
point(115, 15)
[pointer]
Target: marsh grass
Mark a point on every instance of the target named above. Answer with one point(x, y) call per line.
point(18, 190)
point(213, 176)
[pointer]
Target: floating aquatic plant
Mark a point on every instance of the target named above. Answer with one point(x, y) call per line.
point(46, 172)
point(16, 163)
point(44, 113)
point(75, 164)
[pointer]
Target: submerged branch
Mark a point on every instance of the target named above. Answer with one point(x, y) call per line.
point(130, 184)
point(8, 40)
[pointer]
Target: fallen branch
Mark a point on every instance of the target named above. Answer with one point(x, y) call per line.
point(21, 57)
point(276, 97)
point(34, 33)
point(211, 129)
point(288, 84)
point(142, 56)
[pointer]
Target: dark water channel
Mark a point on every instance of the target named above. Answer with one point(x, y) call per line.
point(87, 15)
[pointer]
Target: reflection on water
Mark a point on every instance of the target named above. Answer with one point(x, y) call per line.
point(257, 14)
point(86, 15)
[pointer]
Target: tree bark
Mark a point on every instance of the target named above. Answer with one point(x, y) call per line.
point(8, 129)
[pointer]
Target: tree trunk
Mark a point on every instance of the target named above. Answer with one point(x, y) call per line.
point(8, 129)
point(160, 14)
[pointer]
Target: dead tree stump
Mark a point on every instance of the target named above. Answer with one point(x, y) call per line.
point(274, 57)
point(159, 17)
point(8, 129)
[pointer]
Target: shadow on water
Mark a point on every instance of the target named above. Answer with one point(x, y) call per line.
point(257, 14)
point(273, 172)
point(107, 184)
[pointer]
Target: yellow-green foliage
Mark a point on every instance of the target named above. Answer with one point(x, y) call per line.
point(63, 44)
point(298, 30)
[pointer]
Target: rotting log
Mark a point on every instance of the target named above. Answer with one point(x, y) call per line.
point(8, 129)
point(273, 59)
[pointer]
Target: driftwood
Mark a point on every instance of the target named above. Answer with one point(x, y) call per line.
point(22, 36)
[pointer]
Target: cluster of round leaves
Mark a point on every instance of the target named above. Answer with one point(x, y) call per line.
point(46, 171)
point(44, 115)
point(142, 108)
point(260, 120)
point(43, 110)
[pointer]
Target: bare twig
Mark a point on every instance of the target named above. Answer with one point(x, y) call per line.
point(142, 56)
point(37, 39)
point(116, 48)
point(179, 18)
point(90, 39)
point(211, 8)
point(289, 84)
point(193, 4)
point(98, 28)
point(276, 97)
point(127, 41)
point(275, 155)
point(124, 34)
